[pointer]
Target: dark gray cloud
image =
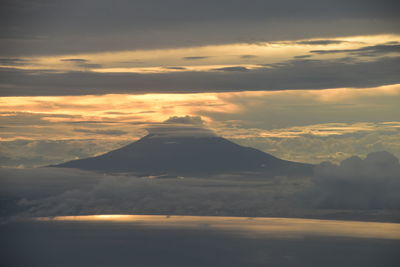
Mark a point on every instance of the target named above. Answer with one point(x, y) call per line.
point(194, 58)
point(295, 74)
point(248, 56)
point(14, 61)
point(80, 62)
point(320, 42)
point(91, 122)
point(76, 60)
point(105, 132)
point(370, 183)
point(365, 51)
point(237, 68)
point(48, 27)
point(302, 56)
point(90, 66)
point(174, 68)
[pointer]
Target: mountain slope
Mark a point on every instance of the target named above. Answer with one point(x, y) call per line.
point(185, 155)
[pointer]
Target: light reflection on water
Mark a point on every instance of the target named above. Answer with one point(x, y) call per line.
point(276, 227)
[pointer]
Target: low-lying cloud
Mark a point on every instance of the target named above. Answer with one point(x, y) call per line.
point(52, 192)
point(357, 185)
point(370, 183)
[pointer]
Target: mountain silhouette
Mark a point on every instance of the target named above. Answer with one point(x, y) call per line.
point(156, 155)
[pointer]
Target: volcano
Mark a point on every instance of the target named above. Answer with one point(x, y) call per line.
point(157, 154)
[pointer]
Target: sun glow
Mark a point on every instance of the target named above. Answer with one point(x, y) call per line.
point(66, 115)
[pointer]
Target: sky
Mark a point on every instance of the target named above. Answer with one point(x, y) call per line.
point(308, 81)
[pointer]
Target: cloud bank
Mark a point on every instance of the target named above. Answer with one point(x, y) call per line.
point(293, 74)
point(98, 25)
point(370, 183)
point(52, 192)
point(360, 186)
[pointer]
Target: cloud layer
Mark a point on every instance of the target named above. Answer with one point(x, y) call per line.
point(58, 192)
point(99, 25)
point(51, 192)
point(304, 125)
point(370, 183)
point(294, 74)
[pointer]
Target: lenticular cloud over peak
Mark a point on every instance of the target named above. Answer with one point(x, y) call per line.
point(179, 131)
point(181, 126)
point(196, 120)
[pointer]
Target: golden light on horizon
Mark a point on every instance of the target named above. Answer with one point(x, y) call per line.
point(137, 103)
point(130, 113)
point(254, 227)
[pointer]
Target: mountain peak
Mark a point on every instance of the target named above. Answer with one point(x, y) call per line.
point(185, 151)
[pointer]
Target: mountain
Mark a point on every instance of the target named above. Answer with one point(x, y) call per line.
point(156, 155)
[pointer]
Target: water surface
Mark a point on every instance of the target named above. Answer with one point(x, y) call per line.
point(140, 240)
